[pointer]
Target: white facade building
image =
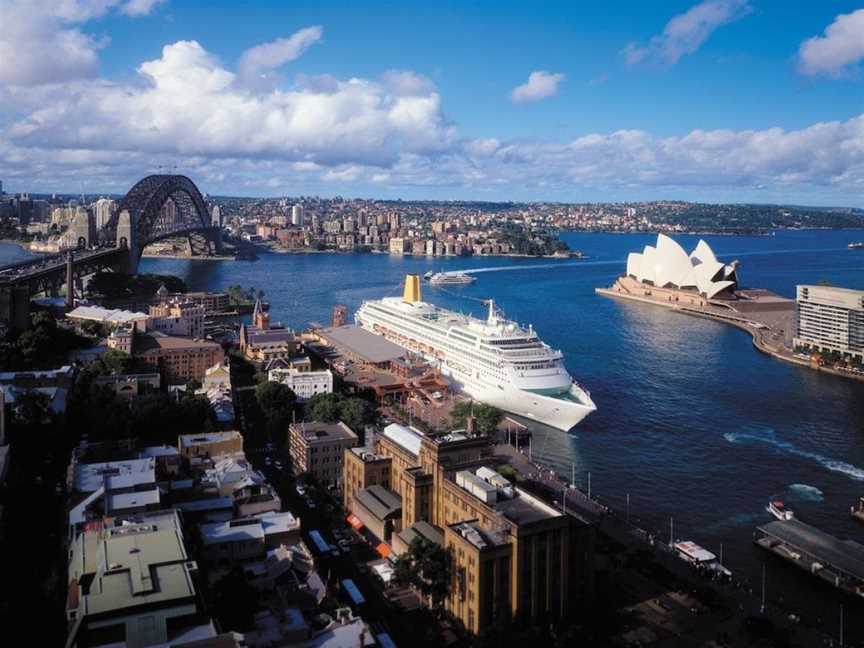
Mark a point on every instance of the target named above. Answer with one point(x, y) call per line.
point(305, 384)
point(830, 319)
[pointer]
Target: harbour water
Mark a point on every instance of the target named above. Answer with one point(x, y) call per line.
point(692, 422)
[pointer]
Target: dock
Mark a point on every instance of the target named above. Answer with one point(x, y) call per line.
point(839, 563)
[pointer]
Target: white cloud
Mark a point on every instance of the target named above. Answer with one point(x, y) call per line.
point(42, 42)
point(407, 83)
point(685, 33)
point(190, 104)
point(259, 62)
point(386, 134)
point(140, 7)
point(841, 48)
point(540, 85)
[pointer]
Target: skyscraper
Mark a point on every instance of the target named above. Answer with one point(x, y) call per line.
point(297, 215)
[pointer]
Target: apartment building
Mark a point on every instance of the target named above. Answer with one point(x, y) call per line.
point(177, 317)
point(319, 448)
point(830, 319)
point(178, 359)
point(211, 445)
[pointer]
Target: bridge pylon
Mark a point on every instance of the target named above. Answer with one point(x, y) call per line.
point(128, 239)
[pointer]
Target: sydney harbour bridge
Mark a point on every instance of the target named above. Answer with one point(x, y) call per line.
point(156, 208)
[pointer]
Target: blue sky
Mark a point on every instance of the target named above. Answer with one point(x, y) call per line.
point(720, 100)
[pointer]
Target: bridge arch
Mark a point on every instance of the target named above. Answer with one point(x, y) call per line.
point(145, 202)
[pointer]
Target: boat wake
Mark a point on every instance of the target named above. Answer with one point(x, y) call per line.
point(834, 465)
point(533, 266)
point(805, 493)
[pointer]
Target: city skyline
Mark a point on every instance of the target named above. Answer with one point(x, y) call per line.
point(716, 101)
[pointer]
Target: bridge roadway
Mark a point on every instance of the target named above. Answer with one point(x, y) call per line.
point(45, 267)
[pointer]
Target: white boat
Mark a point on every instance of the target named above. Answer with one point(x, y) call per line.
point(700, 557)
point(778, 509)
point(856, 246)
point(450, 279)
point(493, 360)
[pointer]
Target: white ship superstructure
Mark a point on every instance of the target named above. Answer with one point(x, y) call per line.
point(450, 279)
point(494, 361)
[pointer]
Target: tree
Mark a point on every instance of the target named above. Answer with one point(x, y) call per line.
point(324, 407)
point(356, 413)
point(277, 404)
point(486, 417)
point(275, 398)
point(426, 566)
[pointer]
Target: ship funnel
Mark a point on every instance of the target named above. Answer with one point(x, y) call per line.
point(412, 289)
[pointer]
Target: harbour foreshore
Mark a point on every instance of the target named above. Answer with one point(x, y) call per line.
point(770, 329)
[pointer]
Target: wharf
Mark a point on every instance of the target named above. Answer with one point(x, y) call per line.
point(838, 562)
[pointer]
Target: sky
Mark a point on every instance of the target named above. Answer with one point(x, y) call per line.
point(713, 101)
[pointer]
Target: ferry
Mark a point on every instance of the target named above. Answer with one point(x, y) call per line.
point(451, 279)
point(858, 245)
point(493, 360)
point(700, 557)
point(778, 510)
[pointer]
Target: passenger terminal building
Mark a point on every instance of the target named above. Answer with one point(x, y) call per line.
point(514, 555)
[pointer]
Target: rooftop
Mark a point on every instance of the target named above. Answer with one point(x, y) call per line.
point(123, 501)
point(191, 440)
point(252, 528)
point(134, 564)
point(422, 529)
point(366, 454)
point(477, 535)
point(99, 314)
point(524, 508)
point(158, 451)
point(114, 474)
point(381, 501)
point(845, 555)
point(149, 341)
point(319, 432)
point(407, 438)
point(363, 344)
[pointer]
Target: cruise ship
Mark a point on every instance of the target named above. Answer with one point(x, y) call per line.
point(495, 361)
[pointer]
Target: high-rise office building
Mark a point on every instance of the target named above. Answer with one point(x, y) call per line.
point(297, 215)
point(103, 210)
point(830, 319)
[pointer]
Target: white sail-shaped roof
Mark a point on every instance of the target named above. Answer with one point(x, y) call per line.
point(668, 265)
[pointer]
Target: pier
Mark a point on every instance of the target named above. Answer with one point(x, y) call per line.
point(839, 563)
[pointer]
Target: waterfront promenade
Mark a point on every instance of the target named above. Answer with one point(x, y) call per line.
point(732, 600)
point(767, 317)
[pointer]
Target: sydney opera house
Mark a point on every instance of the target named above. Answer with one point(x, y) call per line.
point(666, 272)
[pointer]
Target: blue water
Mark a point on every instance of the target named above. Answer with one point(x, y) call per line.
point(692, 422)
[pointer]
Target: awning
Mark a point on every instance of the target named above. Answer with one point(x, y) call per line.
point(383, 550)
point(355, 522)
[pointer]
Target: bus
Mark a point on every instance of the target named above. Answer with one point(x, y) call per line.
point(385, 641)
point(321, 545)
point(352, 592)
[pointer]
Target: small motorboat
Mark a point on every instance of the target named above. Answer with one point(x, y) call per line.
point(778, 509)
